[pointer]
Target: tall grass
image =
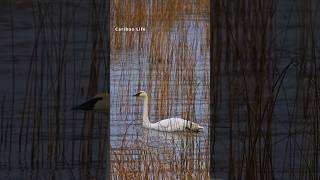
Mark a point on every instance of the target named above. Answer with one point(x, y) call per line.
point(43, 137)
point(169, 63)
point(271, 120)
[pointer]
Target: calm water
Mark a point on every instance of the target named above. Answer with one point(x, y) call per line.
point(41, 137)
point(20, 140)
point(143, 69)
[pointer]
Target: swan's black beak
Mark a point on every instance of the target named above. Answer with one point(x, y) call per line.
point(137, 94)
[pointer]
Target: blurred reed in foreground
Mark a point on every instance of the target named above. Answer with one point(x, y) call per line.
point(47, 138)
point(272, 121)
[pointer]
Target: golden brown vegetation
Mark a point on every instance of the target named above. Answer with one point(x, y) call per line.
point(166, 62)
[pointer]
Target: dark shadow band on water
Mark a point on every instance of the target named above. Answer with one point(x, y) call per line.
point(211, 101)
point(107, 77)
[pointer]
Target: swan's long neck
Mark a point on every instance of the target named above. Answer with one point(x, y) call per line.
point(145, 118)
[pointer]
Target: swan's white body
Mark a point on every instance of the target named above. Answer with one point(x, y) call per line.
point(173, 124)
point(169, 125)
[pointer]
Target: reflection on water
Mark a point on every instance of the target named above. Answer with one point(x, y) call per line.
point(165, 154)
point(170, 62)
point(59, 59)
point(46, 52)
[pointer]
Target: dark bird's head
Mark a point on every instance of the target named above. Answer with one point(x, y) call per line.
point(99, 102)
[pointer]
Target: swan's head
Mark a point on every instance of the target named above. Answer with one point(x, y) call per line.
point(141, 93)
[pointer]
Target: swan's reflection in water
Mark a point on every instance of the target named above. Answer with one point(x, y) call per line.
point(184, 144)
point(168, 154)
point(153, 137)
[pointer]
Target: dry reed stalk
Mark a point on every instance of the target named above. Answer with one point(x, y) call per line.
point(169, 62)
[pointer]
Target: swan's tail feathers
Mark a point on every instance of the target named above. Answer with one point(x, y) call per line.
point(88, 105)
point(194, 127)
point(200, 128)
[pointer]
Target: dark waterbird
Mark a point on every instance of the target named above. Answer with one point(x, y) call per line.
point(98, 103)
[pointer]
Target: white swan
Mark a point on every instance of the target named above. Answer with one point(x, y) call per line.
point(98, 103)
point(169, 125)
